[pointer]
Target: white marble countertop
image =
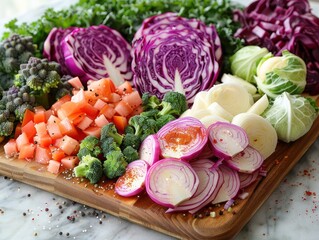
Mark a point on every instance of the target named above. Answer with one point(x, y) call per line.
point(291, 212)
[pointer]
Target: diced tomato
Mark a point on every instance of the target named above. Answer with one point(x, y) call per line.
point(120, 123)
point(41, 128)
point(10, 148)
point(28, 116)
point(61, 114)
point(29, 129)
point(85, 123)
point(54, 130)
point(53, 119)
point(108, 111)
point(27, 152)
point(102, 88)
point(76, 83)
point(69, 108)
point(44, 140)
point(57, 153)
point(48, 113)
point(39, 115)
point(101, 120)
point(79, 97)
point(57, 105)
point(90, 111)
point(53, 167)
point(93, 131)
point(76, 118)
point(124, 88)
point(115, 98)
point(123, 108)
point(137, 111)
point(69, 145)
point(133, 99)
point(70, 162)
point(99, 104)
point(42, 155)
point(91, 97)
point(21, 140)
point(67, 128)
point(18, 130)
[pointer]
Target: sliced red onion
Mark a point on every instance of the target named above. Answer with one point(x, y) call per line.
point(208, 181)
point(230, 187)
point(206, 152)
point(170, 182)
point(97, 52)
point(183, 138)
point(247, 161)
point(150, 149)
point(227, 139)
point(133, 181)
point(247, 178)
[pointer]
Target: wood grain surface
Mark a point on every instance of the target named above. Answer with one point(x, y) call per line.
point(143, 211)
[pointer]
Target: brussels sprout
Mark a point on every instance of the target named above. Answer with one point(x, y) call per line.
point(245, 61)
point(278, 74)
point(291, 115)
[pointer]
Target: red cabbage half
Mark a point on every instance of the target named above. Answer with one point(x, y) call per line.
point(171, 53)
point(284, 25)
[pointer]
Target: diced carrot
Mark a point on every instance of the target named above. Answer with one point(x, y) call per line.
point(93, 131)
point(67, 128)
point(10, 148)
point(54, 130)
point(53, 167)
point(56, 106)
point(29, 129)
point(48, 113)
point(85, 123)
point(115, 98)
point(91, 97)
point(41, 128)
point(108, 111)
point(70, 162)
point(120, 122)
point(18, 130)
point(27, 152)
point(90, 111)
point(61, 114)
point(76, 118)
point(123, 108)
point(44, 140)
point(69, 145)
point(76, 83)
point(101, 120)
point(39, 117)
point(21, 140)
point(124, 88)
point(69, 108)
point(28, 116)
point(99, 104)
point(53, 119)
point(57, 153)
point(42, 155)
point(133, 99)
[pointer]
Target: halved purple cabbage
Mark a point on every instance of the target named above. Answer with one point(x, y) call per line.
point(172, 53)
point(85, 50)
point(52, 46)
point(284, 25)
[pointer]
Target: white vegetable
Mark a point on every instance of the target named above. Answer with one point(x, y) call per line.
point(217, 110)
point(233, 97)
point(209, 120)
point(259, 106)
point(262, 135)
point(200, 101)
point(228, 78)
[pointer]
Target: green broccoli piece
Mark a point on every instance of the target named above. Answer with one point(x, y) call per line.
point(108, 145)
point(130, 154)
point(173, 103)
point(162, 120)
point(90, 145)
point(114, 165)
point(143, 126)
point(6, 128)
point(64, 88)
point(150, 113)
point(109, 130)
point(6, 80)
point(89, 167)
point(150, 101)
point(131, 140)
point(14, 51)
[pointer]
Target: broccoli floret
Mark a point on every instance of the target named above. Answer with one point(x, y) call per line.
point(130, 154)
point(150, 113)
point(6, 80)
point(14, 51)
point(89, 167)
point(143, 126)
point(162, 120)
point(64, 88)
point(20, 110)
point(90, 145)
point(173, 103)
point(6, 128)
point(114, 165)
point(108, 145)
point(131, 140)
point(109, 130)
point(150, 101)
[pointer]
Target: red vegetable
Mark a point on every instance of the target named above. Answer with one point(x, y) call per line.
point(247, 178)
point(149, 150)
point(170, 182)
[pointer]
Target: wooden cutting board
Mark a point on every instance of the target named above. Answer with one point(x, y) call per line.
point(143, 211)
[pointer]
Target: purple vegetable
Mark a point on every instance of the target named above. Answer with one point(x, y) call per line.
point(284, 25)
point(170, 182)
point(227, 139)
point(133, 181)
point(247, 161)
point(175, 53)
point(97, 52)
point(209, 184)
point(150, 149)
point(247, 178)
point(183, 138)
